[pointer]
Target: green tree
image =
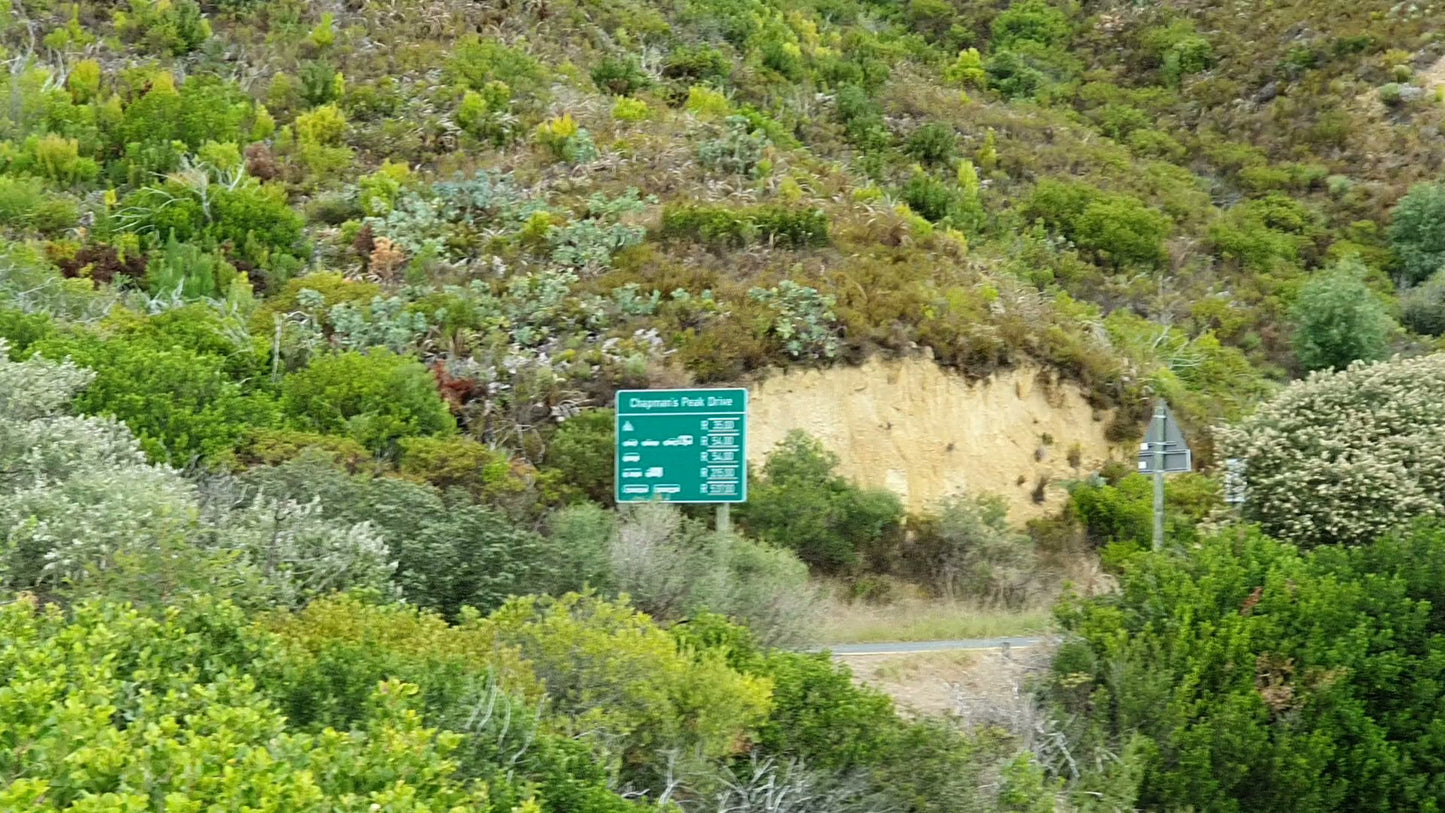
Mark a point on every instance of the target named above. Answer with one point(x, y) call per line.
point(376, 397)
point(1417, 232)
point(1339, 320)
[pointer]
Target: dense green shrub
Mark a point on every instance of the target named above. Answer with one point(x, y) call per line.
point(338, 649)
point(801, 503)
point(84, 514)
point(1339, 320)
point(450, 552)
point(1417, 232)
point(1422, 308)
point(1031, 20)
point(1269, 717)
point(24, 203)
point(1123, 230)
point(930, 197)
point(188, 272)
point(251, 222)
point(619, 76)
point(1120, 228)
point(20, 330)
point(933, 143)
point(477, 61)
point(376, 397)
point(172, 27)
point(123, 712)
point(1123, 512)
point(181, 403)
point(581, 451)
point(613, 675)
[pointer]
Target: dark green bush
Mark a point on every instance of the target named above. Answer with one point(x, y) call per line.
point(1417, 232)
point(1030, 20)
point(581, 450)
point(801, 503)
point(619, 76)
point(930, 197)
point(862, 118)
point(1268, 717)
point(933, 144)
point(181, 403)
point(450, 552)
point(1422, 308)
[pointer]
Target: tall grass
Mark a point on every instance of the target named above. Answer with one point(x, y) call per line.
point(924, 620)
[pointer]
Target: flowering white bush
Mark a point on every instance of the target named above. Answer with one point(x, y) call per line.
point(77, 497)
point(1345, 456)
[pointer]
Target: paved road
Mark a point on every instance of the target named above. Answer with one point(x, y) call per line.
point(914, 647)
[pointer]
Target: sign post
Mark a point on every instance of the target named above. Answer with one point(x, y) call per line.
point(683, 446)
point(1162, 452)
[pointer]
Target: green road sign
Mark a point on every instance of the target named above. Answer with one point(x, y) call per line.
point(682, 446)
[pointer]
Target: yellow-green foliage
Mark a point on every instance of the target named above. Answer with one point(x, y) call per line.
point(198, 732)
point(627, 108)
point(707, 103)
point(323, 36)
point(84, 80)
point(461, 463)
point(378, 192)
point(610, 671)
point(323, 126)
point(58, 158)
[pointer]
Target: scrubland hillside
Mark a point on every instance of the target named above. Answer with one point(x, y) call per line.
point(311, 313)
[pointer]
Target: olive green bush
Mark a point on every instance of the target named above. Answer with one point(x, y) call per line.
point(1422, 308)
point(964, 548)
point(449, 551)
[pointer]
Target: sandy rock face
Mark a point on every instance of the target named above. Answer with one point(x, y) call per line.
point(924, 433)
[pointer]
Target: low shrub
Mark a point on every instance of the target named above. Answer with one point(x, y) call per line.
point(720, 227)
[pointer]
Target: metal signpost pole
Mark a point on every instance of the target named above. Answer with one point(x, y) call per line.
point(1160, 417)
point(1163, 451)
point(724, 518)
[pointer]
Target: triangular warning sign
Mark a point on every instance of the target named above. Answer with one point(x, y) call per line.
point(1165, 429)
point(627, 426)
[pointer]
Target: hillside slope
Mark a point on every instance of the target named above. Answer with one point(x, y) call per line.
point(563, 197)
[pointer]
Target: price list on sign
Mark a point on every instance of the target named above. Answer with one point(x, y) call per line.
point(682, 445)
